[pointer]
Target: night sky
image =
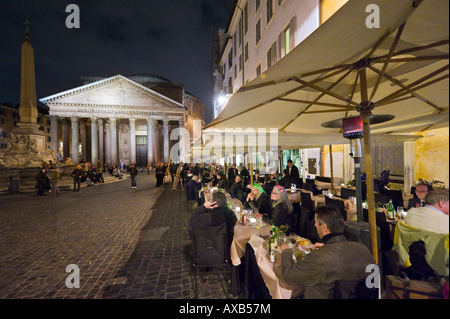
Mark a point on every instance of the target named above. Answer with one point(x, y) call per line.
point(169, 38)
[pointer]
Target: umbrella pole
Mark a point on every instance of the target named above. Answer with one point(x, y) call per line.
point(365, 109)
point(250, 155)
point(331, 167)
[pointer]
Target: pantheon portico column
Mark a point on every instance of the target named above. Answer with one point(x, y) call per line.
point(65, 137)
point(181, 140)
point(101, 153)
point(83, 140)
point(113, 140)
point(54, 133)
point(151, 124)
point(94, 141)
point(166, 140)
point(75, 140)
point(132, 141)
point(108, 143)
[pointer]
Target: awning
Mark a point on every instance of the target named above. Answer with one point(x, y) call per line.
point(319, 80)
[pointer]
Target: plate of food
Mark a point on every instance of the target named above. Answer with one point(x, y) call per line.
point(303, 241)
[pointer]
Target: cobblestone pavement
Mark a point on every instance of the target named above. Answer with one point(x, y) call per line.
point(127, 243)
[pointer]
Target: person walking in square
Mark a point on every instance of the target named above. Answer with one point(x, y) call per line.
point(77, 175)
point(55, 176)
point(133, 173)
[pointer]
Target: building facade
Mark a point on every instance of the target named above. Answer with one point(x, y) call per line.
point(123, 120)
point(260, 33)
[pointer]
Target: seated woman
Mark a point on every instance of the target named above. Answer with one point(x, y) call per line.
point(282, 209)
point(258, 200)
point(215, 178)
point(257, 178)
point(237, 189)
point(222, 181)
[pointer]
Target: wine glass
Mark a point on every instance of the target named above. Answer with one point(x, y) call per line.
point(282, 237)
point(401, 212)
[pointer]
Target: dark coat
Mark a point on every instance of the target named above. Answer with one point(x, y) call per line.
point(203, 217)
point(77, 174)
point(294, 176)
point(237, 191)
point(192, 189)
point(261, 204)
point(232, 173)
point(134, 171)
point(280, 216)
point(42, 181)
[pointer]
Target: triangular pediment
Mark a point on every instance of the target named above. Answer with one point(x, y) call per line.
point(114, 91)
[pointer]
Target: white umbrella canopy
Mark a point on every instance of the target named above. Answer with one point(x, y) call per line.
point(346, 69)
point(320, 79)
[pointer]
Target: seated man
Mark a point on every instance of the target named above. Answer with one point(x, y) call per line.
point(214, 214)
point(434, 216)
point(419, 200)
point(427, 221)
point(336, 260)
point(192, 188)
point(237, 190)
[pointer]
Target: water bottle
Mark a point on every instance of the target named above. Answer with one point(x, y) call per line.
point(391, 210)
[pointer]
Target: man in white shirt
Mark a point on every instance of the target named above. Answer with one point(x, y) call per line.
point(434, 216)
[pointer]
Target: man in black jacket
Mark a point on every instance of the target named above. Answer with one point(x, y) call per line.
point(215, 213)
point(133, 174)
point(293, 175)
point(329, 264)
point(419, 200)
point(232, 172)
point(77, 175)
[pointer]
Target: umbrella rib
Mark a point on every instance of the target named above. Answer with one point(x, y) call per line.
point(416, 58)
point(410, 50)
point(326, 111)
point(397, 82)
point(340, 66)
point(387, 61)
point(281, 95)
point(377, 44)
point(401, 91)
point(352, 94)
point(324, 91)
point(313, 102)
point(396, 101)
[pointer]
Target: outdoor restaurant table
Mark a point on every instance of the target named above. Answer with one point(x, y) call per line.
point(270, 272)
point(242, 235)
point(350, 207)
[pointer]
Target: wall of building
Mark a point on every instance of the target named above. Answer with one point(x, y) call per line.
point(432, 156)
point(9, 118)
point(243, 57)
point(329, 7)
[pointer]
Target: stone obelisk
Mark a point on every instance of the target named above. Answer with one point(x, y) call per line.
point(28, 111)
point(27, 146)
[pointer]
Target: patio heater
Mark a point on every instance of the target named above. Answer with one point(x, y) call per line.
point(354, 131)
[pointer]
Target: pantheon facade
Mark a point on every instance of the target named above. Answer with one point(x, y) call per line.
point(123, 120)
